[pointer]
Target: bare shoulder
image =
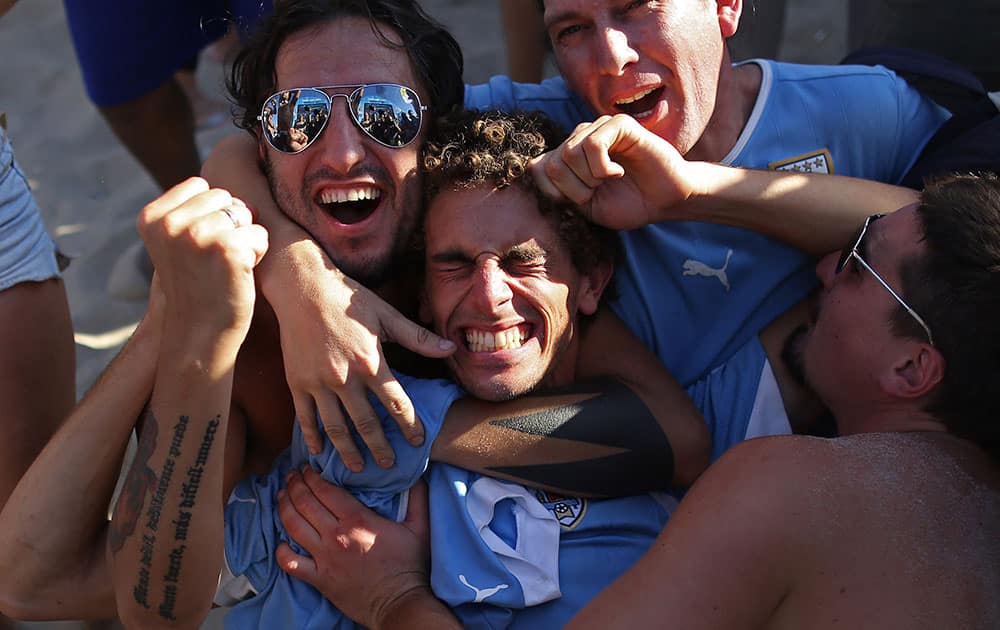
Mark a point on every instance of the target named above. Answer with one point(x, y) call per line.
point(921, 507)
point(932, 485)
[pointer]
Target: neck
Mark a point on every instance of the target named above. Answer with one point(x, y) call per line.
point(734, 101)
point(905, 418)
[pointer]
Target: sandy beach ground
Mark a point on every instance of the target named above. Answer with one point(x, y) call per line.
point(90, 189)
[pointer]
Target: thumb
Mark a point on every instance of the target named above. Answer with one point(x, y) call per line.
point(295, 565)
point(417, 512)
point(415, 337)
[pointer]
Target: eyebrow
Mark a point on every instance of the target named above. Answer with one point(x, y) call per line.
point(522, 252)
point(450, 256)
point(561, 17)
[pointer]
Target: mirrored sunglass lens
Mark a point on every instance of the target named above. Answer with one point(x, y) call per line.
point(388, 113)
point(294, 118)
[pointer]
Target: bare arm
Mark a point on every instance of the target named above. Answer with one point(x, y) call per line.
point(330, 356)
point(59, 572)
point(37, 365)
point(166, 540)
point(634, 430)
point(627, 177)
point(729, 554)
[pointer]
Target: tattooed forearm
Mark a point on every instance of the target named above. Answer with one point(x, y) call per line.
point(613, 416)
point(188, 495)
point(142, 481)
point(139, 480)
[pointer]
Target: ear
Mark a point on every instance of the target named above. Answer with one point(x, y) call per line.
point(592, 286)
point(915, 374)
point(729, 12)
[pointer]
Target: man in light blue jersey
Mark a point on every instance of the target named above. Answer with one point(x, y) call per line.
point(666, 65)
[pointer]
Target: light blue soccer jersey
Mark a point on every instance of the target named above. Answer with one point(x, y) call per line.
point(497, 541)
point(697, 292)
point(502, 555)
point(253, 530)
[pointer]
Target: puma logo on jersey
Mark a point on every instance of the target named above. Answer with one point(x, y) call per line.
point(698, 268)
point(482, 594)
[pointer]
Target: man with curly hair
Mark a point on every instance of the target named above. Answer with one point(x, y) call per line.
point(892, 525)
point(515, 274)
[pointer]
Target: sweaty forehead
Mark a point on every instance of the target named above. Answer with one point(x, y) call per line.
point(344, 51)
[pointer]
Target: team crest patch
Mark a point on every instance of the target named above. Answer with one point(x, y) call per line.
point(815, 162)
point(569, 511)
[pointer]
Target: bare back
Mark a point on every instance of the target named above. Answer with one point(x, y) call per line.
point(873, 531)
point(907, 535)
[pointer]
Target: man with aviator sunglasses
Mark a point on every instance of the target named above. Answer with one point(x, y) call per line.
point(721, 295)
point(367, 253)
point(396, 108)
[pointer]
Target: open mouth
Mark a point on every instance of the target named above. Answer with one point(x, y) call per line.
point(641, 104)
point(350, 206)
point(492, 341)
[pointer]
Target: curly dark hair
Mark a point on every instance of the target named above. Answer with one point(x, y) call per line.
point(955, 286)
point(468, 148)
point(434, 53)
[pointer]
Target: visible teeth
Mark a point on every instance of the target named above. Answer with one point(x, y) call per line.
point(636, 97)
point(354, 194)
point(484, 341)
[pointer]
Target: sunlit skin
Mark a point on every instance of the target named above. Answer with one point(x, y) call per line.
point(854, 314)
point(360, 239)
point(495, 265)
point(668, 55)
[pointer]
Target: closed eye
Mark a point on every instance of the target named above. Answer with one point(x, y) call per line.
point(566, 32)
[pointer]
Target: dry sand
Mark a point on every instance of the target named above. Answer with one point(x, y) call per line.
point(90, 189)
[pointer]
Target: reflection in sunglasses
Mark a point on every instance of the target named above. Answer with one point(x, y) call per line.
point(293, 119)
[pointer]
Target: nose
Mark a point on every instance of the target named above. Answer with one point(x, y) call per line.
point(614, 52)
point(341, 144)
point(826, 269)
point(490, 288)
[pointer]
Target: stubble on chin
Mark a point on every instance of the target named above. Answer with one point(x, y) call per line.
point(372, 270)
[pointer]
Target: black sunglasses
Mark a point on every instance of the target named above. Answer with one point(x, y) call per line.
point(851, 251)
point(388, 113)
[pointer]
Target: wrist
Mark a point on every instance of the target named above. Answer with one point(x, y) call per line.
point(417, 607)
point(289, 266)
point(203, 341)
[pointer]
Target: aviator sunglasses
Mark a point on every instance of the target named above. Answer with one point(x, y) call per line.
point(852, 252)
point(388, 113)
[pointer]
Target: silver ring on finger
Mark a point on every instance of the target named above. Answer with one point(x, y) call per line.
point(229, 213)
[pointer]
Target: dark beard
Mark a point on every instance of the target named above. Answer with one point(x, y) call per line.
point(373, 274)
point(824, 424)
